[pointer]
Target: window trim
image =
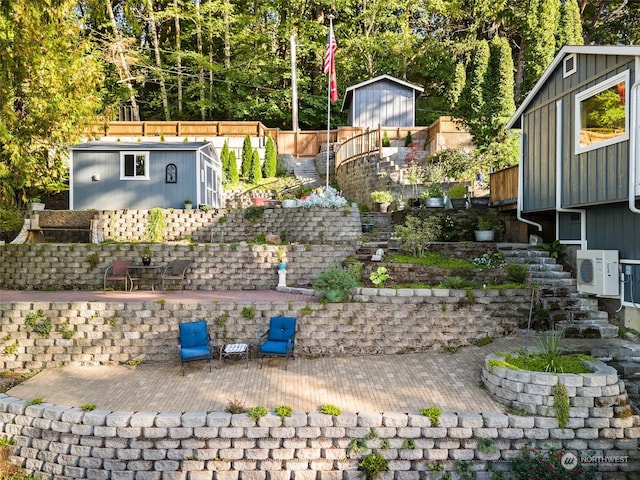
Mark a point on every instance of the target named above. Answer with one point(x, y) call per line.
point(590, 92)
point(574, 60)
point(135, 153)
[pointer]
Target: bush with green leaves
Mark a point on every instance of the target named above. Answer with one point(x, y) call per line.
point(257, 412)
point(386, 142)
point(234, 174)
point(416, 234)
point(330, 409)
point(547, 465)
point(433, 413)
point(335, 283)
point(11, 221)
point(224, 160)
point(517, 273)
point(372, 464)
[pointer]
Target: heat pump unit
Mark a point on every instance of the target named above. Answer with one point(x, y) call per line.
point(598, 272)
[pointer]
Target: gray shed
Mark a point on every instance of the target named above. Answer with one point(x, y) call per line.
point(383, 100)
point(110, 176)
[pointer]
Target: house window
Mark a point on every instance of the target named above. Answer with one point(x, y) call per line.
point(171, 173)
point(602, 114)
point(134, 165)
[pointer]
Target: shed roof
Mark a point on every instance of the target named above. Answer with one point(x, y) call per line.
point(632, 50)
point(111, 146)
point(348, 94)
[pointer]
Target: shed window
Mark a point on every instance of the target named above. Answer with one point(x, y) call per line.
point(602, 114)
point(134, 165)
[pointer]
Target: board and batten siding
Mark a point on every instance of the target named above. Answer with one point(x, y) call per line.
point(383, 103)
point(112, 193)
point(589, 178)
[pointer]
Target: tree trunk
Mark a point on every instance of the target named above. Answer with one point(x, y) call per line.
point(178, 55)
point(123, 71)
point(156, 50)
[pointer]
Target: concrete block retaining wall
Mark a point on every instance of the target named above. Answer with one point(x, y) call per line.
point(598, 398)
point(215, 267)
point(59, 442)
point(108, 333)
point(296, 225)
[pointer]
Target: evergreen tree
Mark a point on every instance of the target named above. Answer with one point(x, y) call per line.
point(255, 174)
point(226, 165)
point(234, 175)
point(570, 28)
point(247, 157)
point(270, 159)
point(499, 104)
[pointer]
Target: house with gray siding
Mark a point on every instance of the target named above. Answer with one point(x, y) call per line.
point(144, 175)
point(580, 164)
point(382, 100)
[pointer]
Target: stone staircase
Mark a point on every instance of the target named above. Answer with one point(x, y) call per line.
point(575, 314)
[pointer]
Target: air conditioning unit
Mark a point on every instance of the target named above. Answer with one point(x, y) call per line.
point(598, 272)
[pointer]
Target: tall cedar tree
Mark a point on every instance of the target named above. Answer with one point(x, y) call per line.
point(226, 165)
point(256, 168)
point(234, 175)
point(48, 90)
point(247, 157)
point(270, 159)
point(570, 28)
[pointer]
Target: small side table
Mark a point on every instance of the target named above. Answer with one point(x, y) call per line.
point(237, 349)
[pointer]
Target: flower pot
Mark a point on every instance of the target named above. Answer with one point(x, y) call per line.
point(367, 227)
point(146, 261)
point(282, 266)
point(188, 206)
point(484, 235)
point(35, 207)
point(383, 207)
point(458, 202)
point(289, 203)
point(433, 202)
point(259, 201)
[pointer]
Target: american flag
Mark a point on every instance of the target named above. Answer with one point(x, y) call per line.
point(330, 64)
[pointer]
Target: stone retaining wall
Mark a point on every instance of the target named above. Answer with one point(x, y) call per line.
point(599, 397)
point(239, 266)
point(295, 225)
point(60, 442)
point(108, 333)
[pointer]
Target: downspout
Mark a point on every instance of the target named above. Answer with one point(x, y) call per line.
point(559, 209)
point(633, 171)
point(521, 189)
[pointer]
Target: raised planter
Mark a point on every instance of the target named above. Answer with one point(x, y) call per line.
point(433, 202)
point(484, 235)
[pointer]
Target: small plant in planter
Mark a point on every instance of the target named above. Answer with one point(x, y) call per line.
point(383, 199)
point(487, 222)
point(146, 255)
point(188, 204)
point(458, 194)
point(433, 196)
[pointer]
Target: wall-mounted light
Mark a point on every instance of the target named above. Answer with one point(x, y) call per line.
point(95, 177)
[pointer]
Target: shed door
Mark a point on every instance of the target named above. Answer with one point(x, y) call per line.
point(209, 184)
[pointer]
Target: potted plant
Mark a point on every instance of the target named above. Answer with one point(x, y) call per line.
point(34, 205)
point(335, 283)
point(146, 255)
point(382, 199)
point(433, 196)
point(458, 196)
point(486, 225)
point(188, 204)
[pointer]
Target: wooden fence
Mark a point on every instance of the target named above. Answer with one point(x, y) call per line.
point(503, 186)
point(364, 144)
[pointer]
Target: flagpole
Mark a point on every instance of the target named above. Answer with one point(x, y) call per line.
point(329, 108)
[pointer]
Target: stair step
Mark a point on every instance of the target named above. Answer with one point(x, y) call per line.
point(627, 369)
point(587, 330)
point(549, 274)
point(545, 267)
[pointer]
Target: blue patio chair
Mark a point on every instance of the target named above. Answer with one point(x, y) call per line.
point(279, 340)
point(195, 343)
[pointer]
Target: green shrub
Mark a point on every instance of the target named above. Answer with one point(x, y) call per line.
point(330, 409)
point(416, 234)
point(547, 465)
point(246, 158)
point(372, 464)
point(516, 273)
point(379, 276)
point(335, 283)
point(386, 142)
point(382, 196)
point(433, 413)
point(283, 411)
point(408, 140)
point(156, 225)
point(257, 412)
point(255, 174)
